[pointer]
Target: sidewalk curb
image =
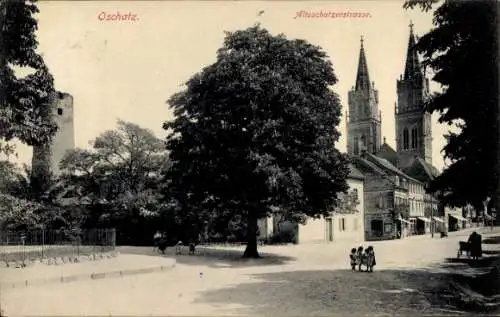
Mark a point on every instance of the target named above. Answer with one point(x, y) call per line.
point(60, 259)
point(91, 276)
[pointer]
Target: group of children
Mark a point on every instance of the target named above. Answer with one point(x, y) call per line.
point(366, 258)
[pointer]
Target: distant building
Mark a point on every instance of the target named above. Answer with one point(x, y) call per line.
point(396, 203)
point(49, 156)
point(345, 223)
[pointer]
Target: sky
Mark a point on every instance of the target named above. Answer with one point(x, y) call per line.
point(128, 69)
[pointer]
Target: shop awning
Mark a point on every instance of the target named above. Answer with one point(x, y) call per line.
point(460, 218)
point(438, 219)
point(405, 221)
point(424, 219)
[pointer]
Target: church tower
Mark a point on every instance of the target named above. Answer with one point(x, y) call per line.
point(364, 118)
point(413, 123)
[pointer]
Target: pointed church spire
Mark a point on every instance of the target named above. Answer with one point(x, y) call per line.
point(412, 66)
point(362, 78)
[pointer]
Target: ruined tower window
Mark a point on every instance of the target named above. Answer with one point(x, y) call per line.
point(406, 138)
point(59, 111)
point(356, 146)
point(414, 138)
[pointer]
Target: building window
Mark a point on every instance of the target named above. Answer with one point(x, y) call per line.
point(342, 224)
point(381, 202)
point(59, 111)
point(356, 145)
point(355, 194)
point(414, 138)
point(405, 139)
point(363, 140)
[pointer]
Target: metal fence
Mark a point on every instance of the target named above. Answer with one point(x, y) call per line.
point(51, 244)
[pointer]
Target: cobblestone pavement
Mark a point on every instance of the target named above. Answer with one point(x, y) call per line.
point(297, 280)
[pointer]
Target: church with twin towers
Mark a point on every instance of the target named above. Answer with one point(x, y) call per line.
point(395, 179)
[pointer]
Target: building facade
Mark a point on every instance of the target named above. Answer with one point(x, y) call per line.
point(346, 223)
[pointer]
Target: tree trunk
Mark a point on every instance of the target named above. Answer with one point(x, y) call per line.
point(41, 164)
point(251, 249)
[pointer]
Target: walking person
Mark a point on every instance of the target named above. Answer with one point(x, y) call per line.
point(156, 239)
point(475, 248)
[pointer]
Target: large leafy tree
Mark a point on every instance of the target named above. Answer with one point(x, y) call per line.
point(25, 81)
point(121, 174)
point(26, 86)
point(462, 52)
point(254, 134)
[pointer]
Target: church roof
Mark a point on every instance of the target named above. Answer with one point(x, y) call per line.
point(354, 173)
point(388, 148)
point(422, 170)
point(431, 170)
point(362, 77)
point(388, 153)
point(412, 65)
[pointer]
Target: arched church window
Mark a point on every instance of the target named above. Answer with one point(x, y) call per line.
point(356, 146)
point(414, 138)
point(405, 139)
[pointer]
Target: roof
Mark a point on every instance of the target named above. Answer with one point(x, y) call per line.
point(387, 148)
point(354, 173)
point(431, 170)
point(384, 164)
point(412, 65)
point(370, 165)
point(377, 170)
point(362, 77)
point(388, 153)
point(422, 170)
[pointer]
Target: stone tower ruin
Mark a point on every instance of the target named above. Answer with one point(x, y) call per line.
point(46, 158)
